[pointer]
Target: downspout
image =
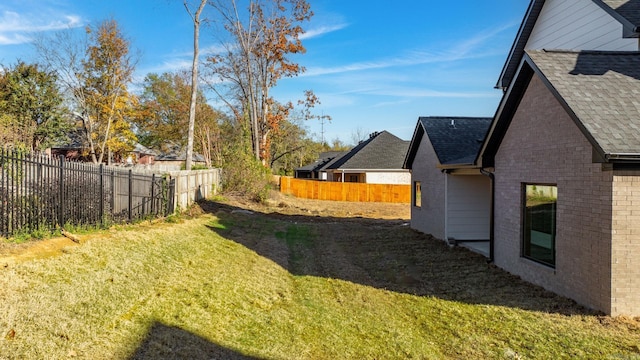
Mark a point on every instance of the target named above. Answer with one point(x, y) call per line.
point(492, 178)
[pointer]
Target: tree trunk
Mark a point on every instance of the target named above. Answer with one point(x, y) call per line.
point(194, 80)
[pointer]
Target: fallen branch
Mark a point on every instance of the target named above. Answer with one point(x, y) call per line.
point(70, 236)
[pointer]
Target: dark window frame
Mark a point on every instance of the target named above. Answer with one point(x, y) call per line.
point(527, 224)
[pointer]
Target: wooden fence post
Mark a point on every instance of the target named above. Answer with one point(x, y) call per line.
point(130, 207)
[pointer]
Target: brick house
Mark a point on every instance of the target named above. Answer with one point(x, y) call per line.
point(564, 151)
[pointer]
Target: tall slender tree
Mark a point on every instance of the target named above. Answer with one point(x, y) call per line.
point(195, 17)
point(108, 70)
point(262, 38)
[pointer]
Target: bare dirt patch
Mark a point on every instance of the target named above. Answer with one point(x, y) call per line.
point(289, 205)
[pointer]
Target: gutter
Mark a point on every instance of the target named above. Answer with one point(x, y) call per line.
point(492, 178)
point(623, 156)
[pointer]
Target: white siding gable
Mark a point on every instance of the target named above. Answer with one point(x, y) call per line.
point(578, 25)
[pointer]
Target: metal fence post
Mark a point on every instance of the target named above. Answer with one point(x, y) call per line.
point(61, 192)
point(101, 192)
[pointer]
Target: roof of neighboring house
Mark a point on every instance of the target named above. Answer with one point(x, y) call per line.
point(141, 149)
point(179, 156)
point(325, 158)
point(382, 150)
point(600, 91)
point(627, 12)
point(455, 140)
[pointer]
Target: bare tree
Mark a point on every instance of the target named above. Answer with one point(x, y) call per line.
point(256, 58)
point(358, 135)
point(195, 17)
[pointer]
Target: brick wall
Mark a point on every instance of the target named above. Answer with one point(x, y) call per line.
point(543, 145)
point(625, 262)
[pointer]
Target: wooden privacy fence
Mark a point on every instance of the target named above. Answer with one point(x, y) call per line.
point(339, 191)
point(40, 193)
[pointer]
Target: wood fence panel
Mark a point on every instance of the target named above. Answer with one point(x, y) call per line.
point(338, 191)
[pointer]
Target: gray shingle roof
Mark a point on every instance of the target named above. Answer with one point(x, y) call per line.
point(628, 9)
point(456, 140)
point(324, 160)
point(603, 91)
point(381, 151)
point(625, 11)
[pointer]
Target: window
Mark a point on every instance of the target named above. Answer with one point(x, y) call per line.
point(539, 223)
point(417, 194)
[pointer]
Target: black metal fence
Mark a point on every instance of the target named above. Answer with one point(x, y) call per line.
point(40, 193)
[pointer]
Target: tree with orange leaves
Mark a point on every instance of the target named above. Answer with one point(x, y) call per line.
point(110, 107)
point(95, 72)
point(256, 57)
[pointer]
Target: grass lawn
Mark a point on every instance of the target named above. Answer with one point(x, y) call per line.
point(232, 285)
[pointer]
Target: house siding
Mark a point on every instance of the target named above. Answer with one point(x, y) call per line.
point(468, 207)
point(578, 25)
point(383, 177)
point(430, 217)
point(625, 262)
point(543, 145)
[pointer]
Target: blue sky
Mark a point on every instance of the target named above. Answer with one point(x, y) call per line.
point(375, 65)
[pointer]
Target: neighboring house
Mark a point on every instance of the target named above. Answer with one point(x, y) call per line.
point(564, 149)
point(142, 155)
point(451, 198)
point(75, 149)
point(316, 170)
point(175, 160)
point(377, 160)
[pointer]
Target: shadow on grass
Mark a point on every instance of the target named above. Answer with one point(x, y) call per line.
point(168, 342)
point(385, 254)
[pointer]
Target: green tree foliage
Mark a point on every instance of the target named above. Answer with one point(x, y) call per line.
point(243, 173)
point(33, 116)
point(164, 117)
point(292, 148)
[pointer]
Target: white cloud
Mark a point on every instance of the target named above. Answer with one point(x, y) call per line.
point(15, 27)
point(471, 48)
point(319, 31)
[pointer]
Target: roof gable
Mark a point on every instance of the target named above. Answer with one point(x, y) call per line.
point(455, 140)
point(599, 90)
point(382, 150)
point(625, 12)
point(325, 159)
